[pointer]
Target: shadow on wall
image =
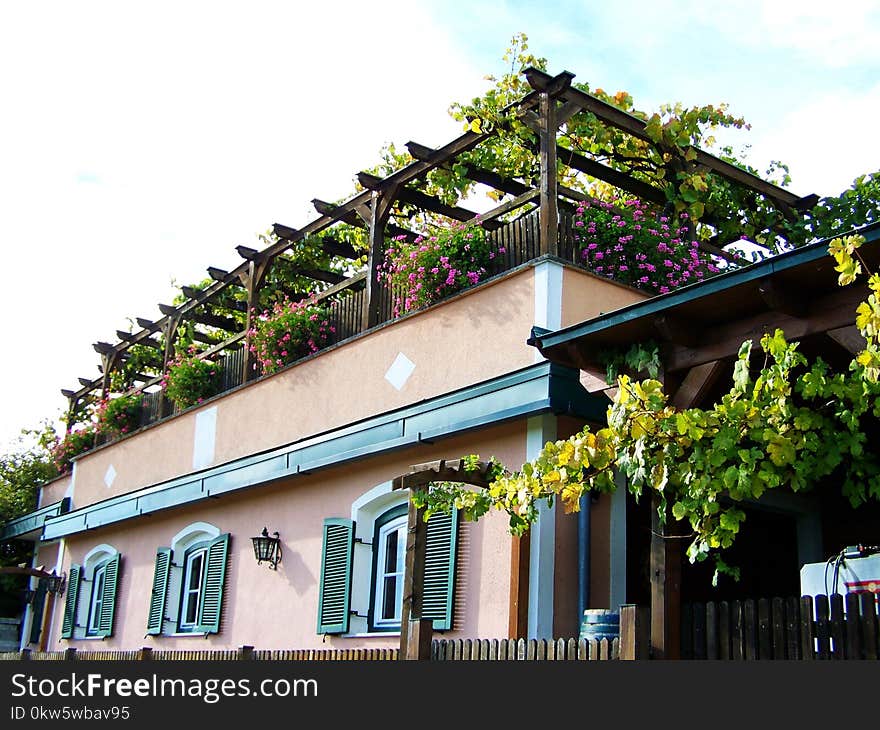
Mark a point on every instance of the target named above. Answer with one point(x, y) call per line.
point(296, 571)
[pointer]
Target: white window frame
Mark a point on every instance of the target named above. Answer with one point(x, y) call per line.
point(182, 546)
point(97, 599)
point(398, 525)
point(366, 511)
point(93, 561)
point(187, 593)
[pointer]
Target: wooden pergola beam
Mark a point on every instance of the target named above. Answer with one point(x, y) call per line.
point(212, 320)
point(129, 338)
point(637, 127)
point(354, 220)
point(472, 172)
point(420, 199)
point(619, 179)
point(443, 470)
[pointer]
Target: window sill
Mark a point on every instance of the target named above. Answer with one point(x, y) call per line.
point(193, 634)
point(371, 635)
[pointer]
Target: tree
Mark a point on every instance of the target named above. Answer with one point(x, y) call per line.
point(22, 471)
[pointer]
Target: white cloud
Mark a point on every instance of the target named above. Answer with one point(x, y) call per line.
point(827, 141)
point(141, 143)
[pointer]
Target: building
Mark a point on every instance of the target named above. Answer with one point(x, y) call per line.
point(153, 531)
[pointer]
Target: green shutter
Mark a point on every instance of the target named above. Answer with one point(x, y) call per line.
point(70, 604)
point(440, 569)
point(108, 599)
point(212, 586)
point(156, 616)
point(334, 593)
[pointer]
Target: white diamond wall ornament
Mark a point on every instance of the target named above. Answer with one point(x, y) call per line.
point(109, 476)
point(400, 370)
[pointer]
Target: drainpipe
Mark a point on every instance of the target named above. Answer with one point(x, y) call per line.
point(583, 541)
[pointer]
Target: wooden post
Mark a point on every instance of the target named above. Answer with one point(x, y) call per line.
point(48, 610)
point(169, 332)
point(634, 626)
point(246, 653)
point(665, 588)
point(109, 360)
point(420, 633)
point(253, 281)
point(380, 207)
point(70, 653)
point(518, 619)
point(548, 213)
point(413, 580)
point(145, 654)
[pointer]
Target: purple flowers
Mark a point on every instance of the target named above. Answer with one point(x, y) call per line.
point(627, 242)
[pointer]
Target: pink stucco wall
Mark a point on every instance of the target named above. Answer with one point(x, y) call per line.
point(586, 295)
point(269, 609)
point(447, 344)
point(54, 491)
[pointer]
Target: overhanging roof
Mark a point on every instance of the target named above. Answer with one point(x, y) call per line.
point(796, 291)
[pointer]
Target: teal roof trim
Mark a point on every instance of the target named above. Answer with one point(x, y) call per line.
point(540, 388)
point(33, 521)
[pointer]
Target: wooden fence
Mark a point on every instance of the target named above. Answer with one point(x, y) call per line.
point(522, 650)
point(802, 628)
point(441, 650)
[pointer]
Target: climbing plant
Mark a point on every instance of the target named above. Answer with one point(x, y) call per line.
point(785, 424)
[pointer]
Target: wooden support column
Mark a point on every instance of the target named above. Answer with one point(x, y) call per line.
point(252, 280)
point(415, 636)
point(518, 617)
point(109, 360)
point(380, 207)
point(665, 587)
point(169, 332)
point(72, 403)
point(548, 212)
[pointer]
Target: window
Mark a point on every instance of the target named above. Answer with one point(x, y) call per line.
point(188, 582)
point(191, 595)
point(97, 600)
point(387, 577)
point(362, 567)
point(90, 602)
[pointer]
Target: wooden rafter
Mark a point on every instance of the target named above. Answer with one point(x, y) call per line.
point(443, 470)
point(212, 320)
point(471, 171)
point(420, 199)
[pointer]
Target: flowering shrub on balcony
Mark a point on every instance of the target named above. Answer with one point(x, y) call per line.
point(190, 379)
point(627, 243)
point(73, 444)
point(120, 415)
point(289, 331)
point(424, 271)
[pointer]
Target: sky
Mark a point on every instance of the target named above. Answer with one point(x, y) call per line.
point(142, 142)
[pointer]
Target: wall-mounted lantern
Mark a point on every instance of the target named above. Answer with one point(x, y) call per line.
point(267, 549)
point(55, 583)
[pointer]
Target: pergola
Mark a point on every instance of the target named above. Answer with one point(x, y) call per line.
point(545, 110)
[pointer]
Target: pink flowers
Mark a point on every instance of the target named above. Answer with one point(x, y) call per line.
point(628, 243)
point(424, 271)
point(289, 331)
